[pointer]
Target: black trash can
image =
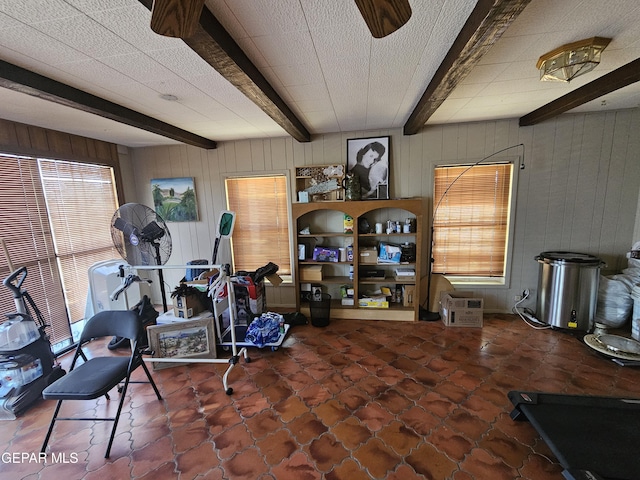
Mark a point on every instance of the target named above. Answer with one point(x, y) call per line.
point(320, 306)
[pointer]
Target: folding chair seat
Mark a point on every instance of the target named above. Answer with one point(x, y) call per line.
point(98, 375)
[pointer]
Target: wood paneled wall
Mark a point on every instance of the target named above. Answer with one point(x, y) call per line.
point(20, 139)
point(579, 190)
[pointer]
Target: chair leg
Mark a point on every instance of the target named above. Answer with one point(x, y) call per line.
point(53, 421)
point(117, 417)
point(153, 384)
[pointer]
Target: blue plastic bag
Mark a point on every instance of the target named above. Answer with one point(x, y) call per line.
point(264, 329)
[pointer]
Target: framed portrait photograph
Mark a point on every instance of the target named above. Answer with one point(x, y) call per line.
point(184, 339)
point(368, 159)
point(174, 199)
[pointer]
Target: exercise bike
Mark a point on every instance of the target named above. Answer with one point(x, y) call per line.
point(27, 363)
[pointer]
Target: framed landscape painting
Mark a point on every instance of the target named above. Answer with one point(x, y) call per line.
point(186, 339)
point(174, 199)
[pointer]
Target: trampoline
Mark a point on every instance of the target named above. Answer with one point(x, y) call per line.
point(592, 437)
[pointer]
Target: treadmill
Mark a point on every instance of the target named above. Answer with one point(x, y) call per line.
point(592, 437)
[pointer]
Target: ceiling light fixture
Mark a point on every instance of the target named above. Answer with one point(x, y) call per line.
point(571, 60)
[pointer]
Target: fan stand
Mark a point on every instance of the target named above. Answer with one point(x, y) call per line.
point(156, 245)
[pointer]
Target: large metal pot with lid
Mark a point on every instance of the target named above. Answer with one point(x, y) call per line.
point(568, 289)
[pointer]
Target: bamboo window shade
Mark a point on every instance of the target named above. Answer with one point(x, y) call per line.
point(261, 232)
point(471, 219)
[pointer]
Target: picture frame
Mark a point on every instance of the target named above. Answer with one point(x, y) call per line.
point(368, 159)
point(188, 339)
point(174, 199)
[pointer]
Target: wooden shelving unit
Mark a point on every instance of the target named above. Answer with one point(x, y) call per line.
point(325, 221)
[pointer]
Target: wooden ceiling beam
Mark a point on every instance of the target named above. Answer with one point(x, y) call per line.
point(610, 82)
point(216, 47)
point(24, 81)
point(484, 27)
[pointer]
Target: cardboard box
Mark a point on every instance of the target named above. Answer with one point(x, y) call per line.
point(187, 306)
point(373, 303)
point(326, 254)
point(389, 253)
point(460, 309)
point(368, 255)
point(311, 273)
point(408, 295)
point(169, 317)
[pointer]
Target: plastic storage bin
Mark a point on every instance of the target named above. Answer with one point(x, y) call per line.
point(17, 332)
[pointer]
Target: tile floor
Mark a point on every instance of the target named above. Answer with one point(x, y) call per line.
point(354, 400)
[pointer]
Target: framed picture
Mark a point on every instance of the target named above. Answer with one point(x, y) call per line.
point(174, 199)
point(368, 159)
point(183, 339)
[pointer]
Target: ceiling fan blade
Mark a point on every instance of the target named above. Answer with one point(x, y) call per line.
point(384, 17)
point(176, 18)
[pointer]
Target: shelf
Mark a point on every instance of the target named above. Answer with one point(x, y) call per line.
point(311, 262)
point(326, 220)
point(331, 279)
point(413, 234)
point(324, 234)
point(373, 281)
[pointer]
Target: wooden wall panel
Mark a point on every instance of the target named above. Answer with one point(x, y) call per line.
point(579, 189)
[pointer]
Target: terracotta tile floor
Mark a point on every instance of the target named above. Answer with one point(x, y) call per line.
point(354, 400)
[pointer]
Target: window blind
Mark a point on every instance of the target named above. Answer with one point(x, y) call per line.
point(261, 232)
point(28, 241)
point(81, 200)
point(471, 219)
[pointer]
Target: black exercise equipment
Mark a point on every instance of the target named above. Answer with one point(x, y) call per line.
point(592, 437)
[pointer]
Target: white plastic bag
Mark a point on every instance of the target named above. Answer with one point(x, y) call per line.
point(614, 300)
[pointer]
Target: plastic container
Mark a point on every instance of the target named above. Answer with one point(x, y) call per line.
point(320, 307)
point(18, 371)
point(17, 332)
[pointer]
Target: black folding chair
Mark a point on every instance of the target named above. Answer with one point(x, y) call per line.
point(97, 376)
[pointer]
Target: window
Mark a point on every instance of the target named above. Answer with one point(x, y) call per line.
point(55, 221)
point(261, 232)
point(471, 220)
point(81, 200)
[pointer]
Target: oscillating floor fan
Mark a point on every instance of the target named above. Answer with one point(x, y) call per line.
point(142, 238)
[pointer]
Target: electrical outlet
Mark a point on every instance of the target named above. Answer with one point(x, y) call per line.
point(517, 298)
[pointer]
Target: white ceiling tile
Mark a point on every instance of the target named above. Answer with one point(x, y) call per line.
point(317, 54)
point(35, 47)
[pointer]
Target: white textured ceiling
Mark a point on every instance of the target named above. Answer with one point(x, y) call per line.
point(317, 54)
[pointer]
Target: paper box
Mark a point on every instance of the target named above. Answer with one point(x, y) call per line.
point(373, 303)
point(389, 253)
point(461, 309)
point(408, 295)
point(326, 254)
point(311, 273)
point(187, 306)
point(368, 255)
